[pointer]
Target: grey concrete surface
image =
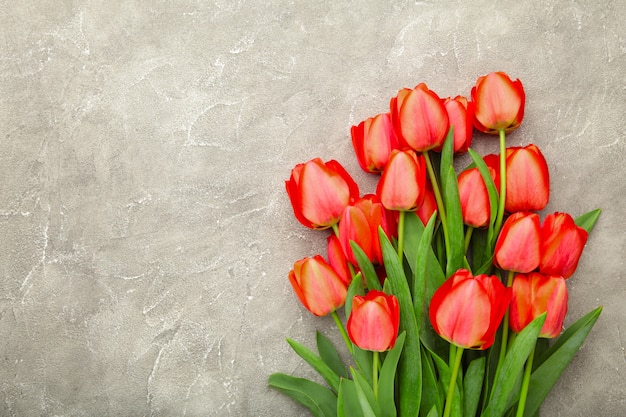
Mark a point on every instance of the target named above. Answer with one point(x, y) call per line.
point(145, 235)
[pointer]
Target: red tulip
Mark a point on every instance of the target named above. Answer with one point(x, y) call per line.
point(319, 192)
point(317, 285)
point(355, 227)
point(419, 118)
point(493, 161)
point(518, 245)
point(360, 223)
point(461, 116)
point(498, 103)
point(402, 184)
point(374, 321)
point(562, 243)
point(535, 294)
point(467, 310)
point(428, 206)
point(474, 198)
point(373, 140)
point(337, 259)
point(527, 179)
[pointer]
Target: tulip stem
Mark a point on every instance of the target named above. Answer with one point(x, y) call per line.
point(342, 330)
point(468, 236)
point(336, 229)
point(505, 326)
point(502, 199)
point(375, 374)
point(455, 371)
point(437, 192)
point(525, 382)
point(401, 234)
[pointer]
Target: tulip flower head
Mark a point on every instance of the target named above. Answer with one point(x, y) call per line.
point(527, 180)
point(403, 182)
point(461, 116)
point(419, 118)
point(498, 103)
point(535, 294)
point(467, 310)
point(318, 287)
point(518, 246)
point(562, 243)
point(374, 321)
point(360, 224)
point(373, 140)
point(474, 198)
point(319, 192)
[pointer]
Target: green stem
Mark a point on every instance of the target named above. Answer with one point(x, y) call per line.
point(336, 229)
point(455, 371)
point(401, 234)
point(343, 332)
point(502, 199)
point(468, 236)
point(375, 374)
point(440, 207)
point(525, 383)
point(505, 325)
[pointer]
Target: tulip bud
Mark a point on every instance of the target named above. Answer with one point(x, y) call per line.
point(373, 140)
point(317, 285)
point(562, 243)
point(374, 321)
point(355, 227)
point(360, 223)
point(319, 192)
point(535, 294)
point(527, 179)
point(467, 310)
point(518, 245)
point(498, 103)
point(474, 198)
point(461, 116)
point(419, 118)
point(402, 184)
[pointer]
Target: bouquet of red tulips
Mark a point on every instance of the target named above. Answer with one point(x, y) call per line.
point(454, 289)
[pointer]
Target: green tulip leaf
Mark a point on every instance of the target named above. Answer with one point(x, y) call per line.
point(509, 371)
point(365, 394)
point(410, 367)
point(348, 404)
point(452, 202)
point(588, 220)
point(419, 271)
point(316, 363)
point(321, 401)
point(484, 252)
point(432, 395)
point(413, 233)
point(356, 288)
point(369, 273)
point(329, 355)
point(433, 412)
point(447, 155)
point(386, 385)
point(445, 374)
point(472, 385)
point(554, 361)
point(492, 190)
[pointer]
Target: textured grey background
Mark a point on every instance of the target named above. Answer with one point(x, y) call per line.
point(145, 235)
